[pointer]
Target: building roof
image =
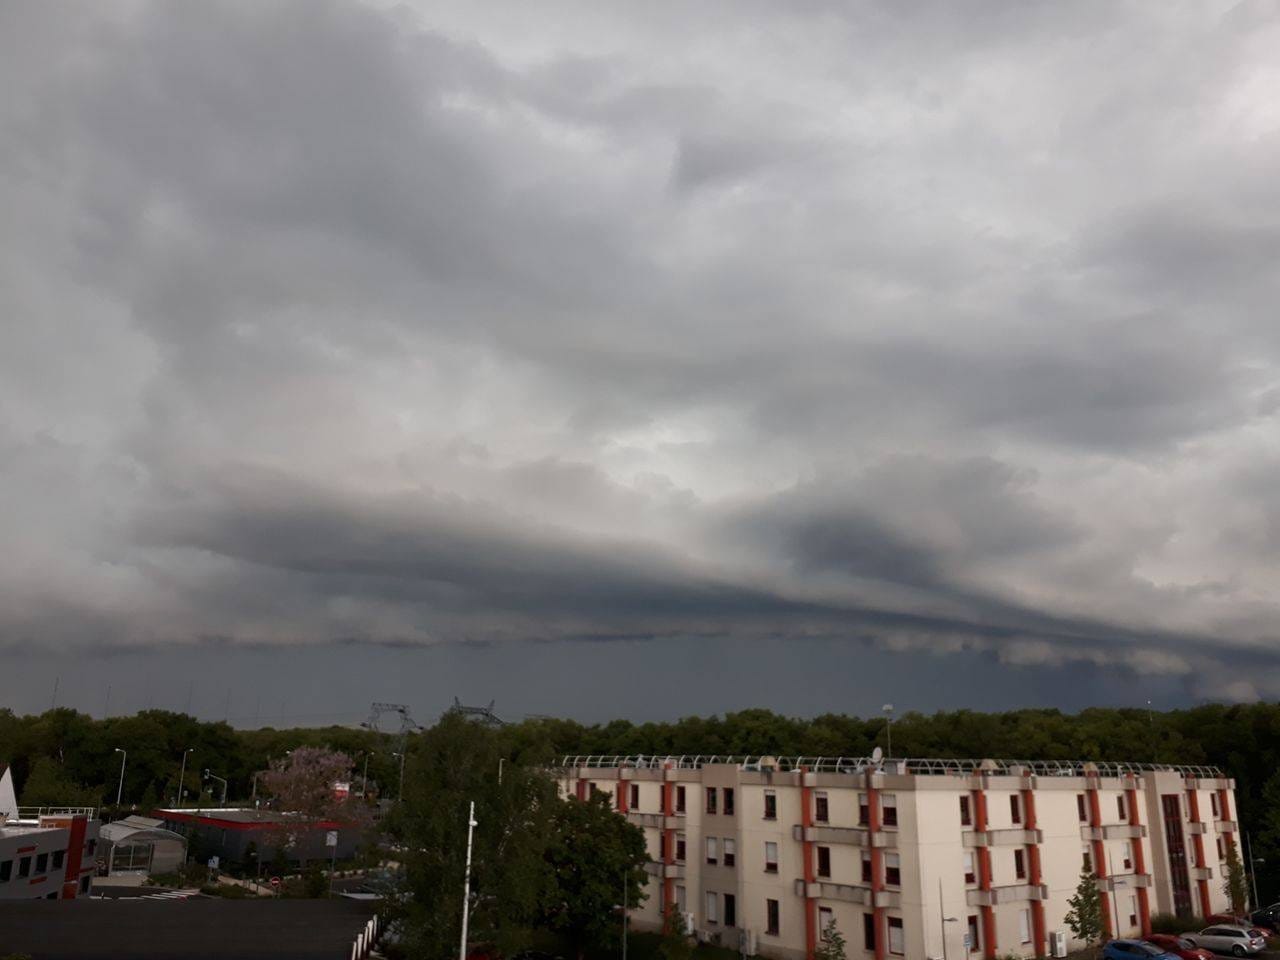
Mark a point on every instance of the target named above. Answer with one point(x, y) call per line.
point(244, 818)
point(910, 765)
point(194, 929)
point(132, 829)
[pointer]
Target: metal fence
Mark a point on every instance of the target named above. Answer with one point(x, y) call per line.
point(909, 765)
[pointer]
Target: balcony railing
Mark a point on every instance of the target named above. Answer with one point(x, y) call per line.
point(35, 813)
point(917, 766)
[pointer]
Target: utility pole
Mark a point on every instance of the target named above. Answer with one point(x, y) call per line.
point(624, 915)
point(888, 734)
point(466, 883)
point(364, 779)
point(183, 775)
point(120, 789)
point(1253, 870)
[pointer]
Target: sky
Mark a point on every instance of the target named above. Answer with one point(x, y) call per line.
point(644, 360)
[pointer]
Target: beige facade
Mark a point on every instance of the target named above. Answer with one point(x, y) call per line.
point(914, 858)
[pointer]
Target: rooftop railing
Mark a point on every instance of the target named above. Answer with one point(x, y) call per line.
point(909, 765)
point(35, 813)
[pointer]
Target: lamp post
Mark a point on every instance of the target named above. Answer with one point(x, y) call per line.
point(183, 775)
point(944, 920)
point(364, 778)
point(888, 730)
point(1253, 869)
point(466, 882)
point(120, 789)
point(400, 792)
point(214, 776)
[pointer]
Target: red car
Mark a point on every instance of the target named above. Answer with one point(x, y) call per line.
point(1229, 920)
point(1179, 947)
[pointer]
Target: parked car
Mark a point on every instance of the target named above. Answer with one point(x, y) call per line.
point(1180, 947)
point(1235, 940)
point(1134, 950)
point(1231, 920)
point(1267, 917)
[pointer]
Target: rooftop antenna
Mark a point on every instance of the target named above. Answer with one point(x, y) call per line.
point(877, 757)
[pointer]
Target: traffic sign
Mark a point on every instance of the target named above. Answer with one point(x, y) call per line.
point(213, 863)
point(331, 838)
point(275, 881)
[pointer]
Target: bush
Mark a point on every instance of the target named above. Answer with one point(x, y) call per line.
point(228, 891)
point(1168, 923)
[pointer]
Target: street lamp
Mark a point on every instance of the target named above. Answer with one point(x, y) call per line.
point(364, 777)
point(888, 714)
point(214, 776)
point(466, 883)
point(183, 775)
point(400, 792)
point(120, 789)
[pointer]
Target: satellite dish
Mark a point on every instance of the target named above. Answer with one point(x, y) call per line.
point(876, 756)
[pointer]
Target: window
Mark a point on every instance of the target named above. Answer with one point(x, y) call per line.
point(730, 852)
point(820, 808)
point(1015, 808)
point(1222, 853)
point(680, 899)
point(866, 867)
point(84, 883)
point(864, 811)
point(1020, 864)
point(888, 810)
point(711, 799)
point(869, 931)
point(93, 844)
point(1024, 926)
point(6, 870)
point(771, 805)
point(1128, 855)
point(826, 917)
point(635, 796)
point(1087, 859)
point(974, 944)
point(680, 851)
point(711, 851)
point(42, 863)
point(1082, 812)
point(1120, 807)
point(970, 875)
point(771, 912)
point(824, 861)
point(1213, 804)
point(770, 857)
point(730, 910)
point(713, 904)
point(892, 870)
point(728, 802)
point(966, 818)
point(24, 867)
point(895, 936)
point(1133, 910)
point(680, 800)
point(662, 846)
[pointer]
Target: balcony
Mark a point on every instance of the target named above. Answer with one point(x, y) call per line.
point(673, 871)
point(1015, 893)
point(847, 892)
point(645, 819)
point(1225, 826)
point(653, 868)
point(674, 822)
point(1202, 873)
point(849, 836)
point(888, 899)
point(1124, 881)
point(1015, 837)
point(1196, 827)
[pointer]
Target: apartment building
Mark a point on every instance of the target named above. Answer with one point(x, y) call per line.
point(915, 858)
point(45, 852)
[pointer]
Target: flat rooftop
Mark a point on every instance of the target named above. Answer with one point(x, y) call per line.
point(193, 929)
point(901, 765)
point(244, 816)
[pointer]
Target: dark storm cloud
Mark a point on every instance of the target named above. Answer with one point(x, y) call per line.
point(939, 330)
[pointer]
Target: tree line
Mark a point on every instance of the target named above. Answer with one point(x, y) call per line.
point(62, 756)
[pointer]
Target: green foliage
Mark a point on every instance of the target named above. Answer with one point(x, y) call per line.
point(592, 852)
point(832, 945)
point(676, 942)
point(50, 785)
point(1084, 916)
point(1171, 923)
point(228, 891)
point(1234, 882)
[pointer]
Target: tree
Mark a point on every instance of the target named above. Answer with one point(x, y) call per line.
point(449, 766)
point(302, 784)
point(593, 852)
point(676, 943)
point(48, 786)
point(1234, 882)
point(832, 945)
point(1084, 915)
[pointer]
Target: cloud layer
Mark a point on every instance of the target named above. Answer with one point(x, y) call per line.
point(944, 328)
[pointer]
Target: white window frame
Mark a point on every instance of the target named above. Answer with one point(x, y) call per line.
point(713, 855)
point(826, 916)
point(770, 861)
point(1024, 925)
point(713, 904)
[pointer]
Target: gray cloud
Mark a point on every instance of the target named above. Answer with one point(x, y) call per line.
point(429, 324)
